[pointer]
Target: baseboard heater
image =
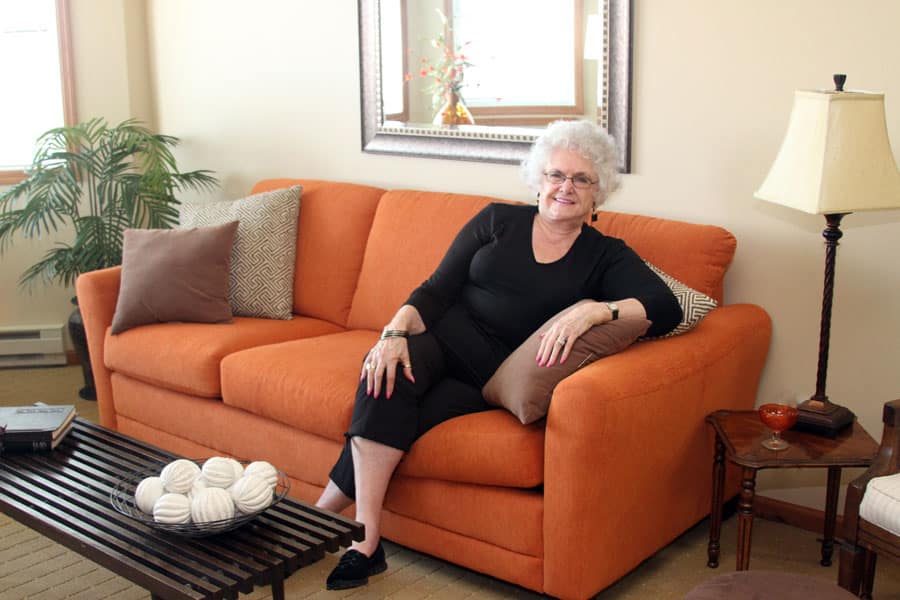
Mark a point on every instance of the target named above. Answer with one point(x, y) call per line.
point(32, 345)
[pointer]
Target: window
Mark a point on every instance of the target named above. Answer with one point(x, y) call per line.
point(528, 63)
point(35, 61)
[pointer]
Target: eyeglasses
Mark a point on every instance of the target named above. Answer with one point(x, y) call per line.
point(579, 180)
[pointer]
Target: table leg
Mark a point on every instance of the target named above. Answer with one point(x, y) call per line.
point(745, 518)
point(278, 584)
point(831, 502)
point(715, 511)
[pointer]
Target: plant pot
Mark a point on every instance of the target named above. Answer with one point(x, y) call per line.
point(79, 341)
point(453, 112)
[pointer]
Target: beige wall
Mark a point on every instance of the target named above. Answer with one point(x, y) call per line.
point(271, 88)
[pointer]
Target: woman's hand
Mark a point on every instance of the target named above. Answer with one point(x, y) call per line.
point(558, 339)
point(381, 365)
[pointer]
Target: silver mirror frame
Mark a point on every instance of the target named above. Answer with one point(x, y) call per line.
point(486, 144)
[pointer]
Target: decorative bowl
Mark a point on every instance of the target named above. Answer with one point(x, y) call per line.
point(122, 499)
point(778, 417)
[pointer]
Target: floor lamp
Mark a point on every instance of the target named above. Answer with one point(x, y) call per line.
point(835, 159)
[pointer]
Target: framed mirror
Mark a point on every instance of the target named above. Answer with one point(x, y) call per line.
point(421, 59)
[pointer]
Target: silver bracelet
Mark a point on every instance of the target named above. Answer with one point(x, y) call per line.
point(389, 333)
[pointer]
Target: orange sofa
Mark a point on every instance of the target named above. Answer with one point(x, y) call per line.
point(565, 506)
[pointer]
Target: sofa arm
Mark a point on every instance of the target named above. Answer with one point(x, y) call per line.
point(98, 292)
point(627, 453)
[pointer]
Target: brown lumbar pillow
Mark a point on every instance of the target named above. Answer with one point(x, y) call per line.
point(174, 275)
point(524, 388)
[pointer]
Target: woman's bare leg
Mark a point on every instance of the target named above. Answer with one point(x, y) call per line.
point(374, 463)
point(333, 498)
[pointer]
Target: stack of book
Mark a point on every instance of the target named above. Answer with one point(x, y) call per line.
point(37, 427)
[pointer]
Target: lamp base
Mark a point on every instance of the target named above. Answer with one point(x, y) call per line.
point(822, 418)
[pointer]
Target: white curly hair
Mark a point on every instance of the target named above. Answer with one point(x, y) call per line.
point(584, 138)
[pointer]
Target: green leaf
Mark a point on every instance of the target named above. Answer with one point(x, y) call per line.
point(96, 180)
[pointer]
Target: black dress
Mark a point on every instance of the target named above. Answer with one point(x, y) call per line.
point(485, 298)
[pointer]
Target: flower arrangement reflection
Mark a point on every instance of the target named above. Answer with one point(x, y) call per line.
point(446, 76)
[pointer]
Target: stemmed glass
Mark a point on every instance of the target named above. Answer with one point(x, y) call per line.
point(777, 417)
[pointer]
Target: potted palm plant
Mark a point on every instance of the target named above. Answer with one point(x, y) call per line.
point(93, 181)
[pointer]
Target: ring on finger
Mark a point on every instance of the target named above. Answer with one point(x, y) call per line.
point(407, 366)
point(369, 366)
point(561, 340)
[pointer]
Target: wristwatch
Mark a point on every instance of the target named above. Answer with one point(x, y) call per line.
point(614, 309)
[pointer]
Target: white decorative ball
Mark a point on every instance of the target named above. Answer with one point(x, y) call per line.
point(261, 468)
point(212, 504)
point(220, 472)
point(178, 476)
point(147, 493)
point(251, 493)
point(199, 485)
point(172, 508)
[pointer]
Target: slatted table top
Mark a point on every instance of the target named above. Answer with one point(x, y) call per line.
point(65, 495)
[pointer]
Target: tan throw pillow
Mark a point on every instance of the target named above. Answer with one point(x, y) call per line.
point(263, 257)
point(174, 275)
point(694, 305)
point(524, 388)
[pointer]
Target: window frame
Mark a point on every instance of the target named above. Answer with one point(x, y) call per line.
point(67, 77)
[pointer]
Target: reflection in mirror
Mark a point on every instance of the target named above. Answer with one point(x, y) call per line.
point(458, 79)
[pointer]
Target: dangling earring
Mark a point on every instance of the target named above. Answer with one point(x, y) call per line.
point(594, 217)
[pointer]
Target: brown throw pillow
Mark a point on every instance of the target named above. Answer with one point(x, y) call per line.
point(524, 388)
point(174, 275)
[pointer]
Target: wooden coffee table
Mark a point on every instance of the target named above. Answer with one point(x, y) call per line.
point(739, 435)
point(65, 495)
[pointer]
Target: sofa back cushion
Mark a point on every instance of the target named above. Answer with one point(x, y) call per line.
point(333, 228)
point(697, 255)
point(410, 234)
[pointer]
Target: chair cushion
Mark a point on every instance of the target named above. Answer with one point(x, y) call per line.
point(881, 503)
point(186, 357)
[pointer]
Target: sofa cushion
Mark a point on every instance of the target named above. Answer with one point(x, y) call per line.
point(694, 305)
point(697, 255)
point(174, 275)
point(262, 260)
point(332, 231)
point(400, 255)
point(310, 384)
point(524, 388)
point(185, 357)
point(490, 448)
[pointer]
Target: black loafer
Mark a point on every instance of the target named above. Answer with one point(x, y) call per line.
point(355, 568)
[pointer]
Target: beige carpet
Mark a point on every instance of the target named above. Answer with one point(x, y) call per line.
point(33, 567)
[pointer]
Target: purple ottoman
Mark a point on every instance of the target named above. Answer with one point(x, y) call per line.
point(767, 585)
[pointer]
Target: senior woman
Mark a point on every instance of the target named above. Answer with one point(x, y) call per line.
point(507, 272)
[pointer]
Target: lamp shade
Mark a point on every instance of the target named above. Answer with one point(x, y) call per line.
point(835, 157)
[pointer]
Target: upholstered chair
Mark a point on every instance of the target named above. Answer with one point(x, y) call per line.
point(872, 512)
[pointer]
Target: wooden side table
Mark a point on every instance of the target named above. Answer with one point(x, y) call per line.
point(739, 435)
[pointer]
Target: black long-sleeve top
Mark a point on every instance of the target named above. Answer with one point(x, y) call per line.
point(490, 270)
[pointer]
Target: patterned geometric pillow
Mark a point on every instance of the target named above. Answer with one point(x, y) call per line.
point(261, 282)
point(694, 305)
